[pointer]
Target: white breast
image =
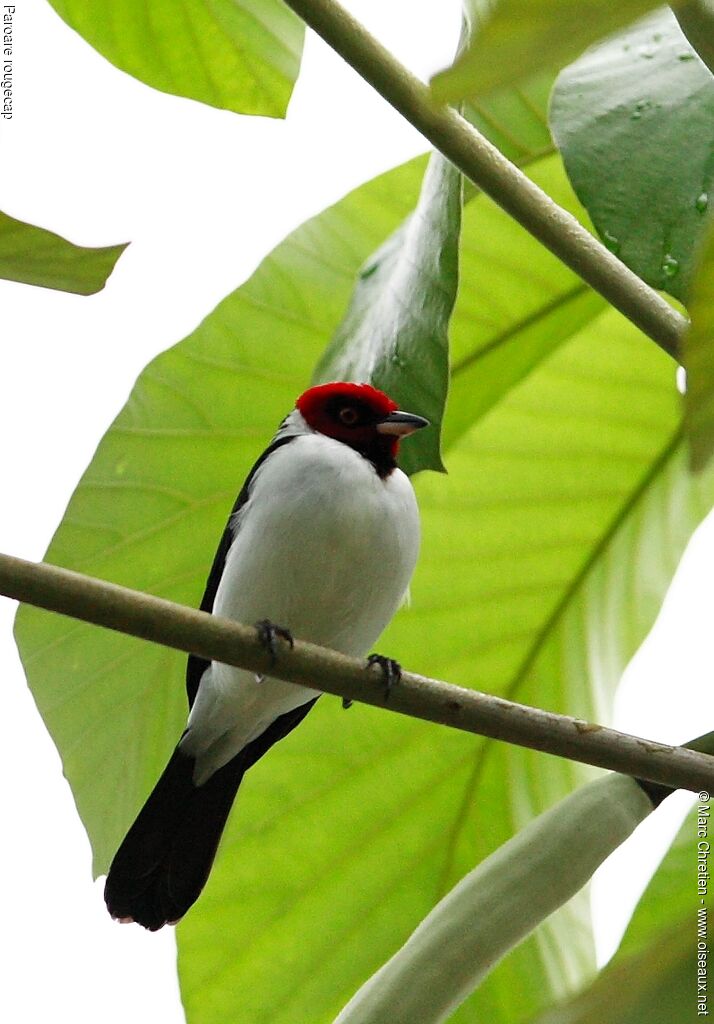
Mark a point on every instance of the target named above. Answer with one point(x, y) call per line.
point(324, 547)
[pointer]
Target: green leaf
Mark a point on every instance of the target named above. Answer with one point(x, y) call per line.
point(538, 579)
point(515, 306)
point(395, 331)
point(241, 55)
point(512, 40)
point(670, 898)
point(498, 903)
point(696, 20)
point(653, 974)
point(699, 359)
point(634, 120)
point(32, 255)
point(546, 553)
point(568, 492)
point(152, 504)
point(657, 986)
point(515, 118)
point(255, 353)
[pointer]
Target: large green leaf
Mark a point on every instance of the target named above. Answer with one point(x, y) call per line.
point(512, 39)
point(33, 255)
point(546, 554)
point(699, 359)
point(241, 55)
point(634, 120)
point(255, 352)
point(152, 504)
point(395, 331)
point(540, 575)
point(572, 505)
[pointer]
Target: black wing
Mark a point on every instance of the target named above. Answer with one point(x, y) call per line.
point(196, 665)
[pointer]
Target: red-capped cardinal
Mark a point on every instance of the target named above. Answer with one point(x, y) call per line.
point(323, 539)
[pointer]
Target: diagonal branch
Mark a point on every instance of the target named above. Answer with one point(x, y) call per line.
point(219, 639)
point(480, 161)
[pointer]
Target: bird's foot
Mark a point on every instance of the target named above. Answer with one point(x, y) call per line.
point(391, 671)
point(347, 703)
point(268, 634)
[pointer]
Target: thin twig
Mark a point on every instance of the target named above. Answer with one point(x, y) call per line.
point(480, 161)
point(219, 639)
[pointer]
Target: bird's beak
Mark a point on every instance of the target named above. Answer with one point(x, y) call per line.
point(401, 424)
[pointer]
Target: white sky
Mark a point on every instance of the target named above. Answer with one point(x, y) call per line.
point(203, 195)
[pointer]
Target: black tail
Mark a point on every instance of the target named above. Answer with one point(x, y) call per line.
point(159, 870)
point(163, 864)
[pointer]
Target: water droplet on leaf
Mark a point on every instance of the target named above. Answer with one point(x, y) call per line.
point(702, 201)
point(670, 266)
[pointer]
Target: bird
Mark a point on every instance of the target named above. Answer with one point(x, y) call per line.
point(320, 544)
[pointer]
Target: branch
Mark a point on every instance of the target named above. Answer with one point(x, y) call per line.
point(480, 161)
point(219, 639)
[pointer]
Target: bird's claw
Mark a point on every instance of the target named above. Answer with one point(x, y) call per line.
point(268, 634)
point(347, 703)
point(391, 671)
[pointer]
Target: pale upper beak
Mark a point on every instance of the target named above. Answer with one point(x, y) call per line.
point(401, 424)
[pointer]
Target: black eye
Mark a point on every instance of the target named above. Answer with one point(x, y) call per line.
point(349, 416)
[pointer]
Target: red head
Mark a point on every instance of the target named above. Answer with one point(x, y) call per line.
point(360, 416)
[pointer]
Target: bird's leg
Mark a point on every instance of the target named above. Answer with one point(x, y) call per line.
point(347, 703)
point(268, 634)
point(391, 671)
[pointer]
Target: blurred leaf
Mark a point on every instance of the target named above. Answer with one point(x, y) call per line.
point(696, 20)
point(32, 255)
point(652, 977)
point(515, 306)
point(515, 118)
point(658, 986)
point(634, 120)
point(512, 40)
point(498, 903)
point(546, 554)
point(671, 896)
point(395, 331)
point(699, 359)
point(241, 55)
